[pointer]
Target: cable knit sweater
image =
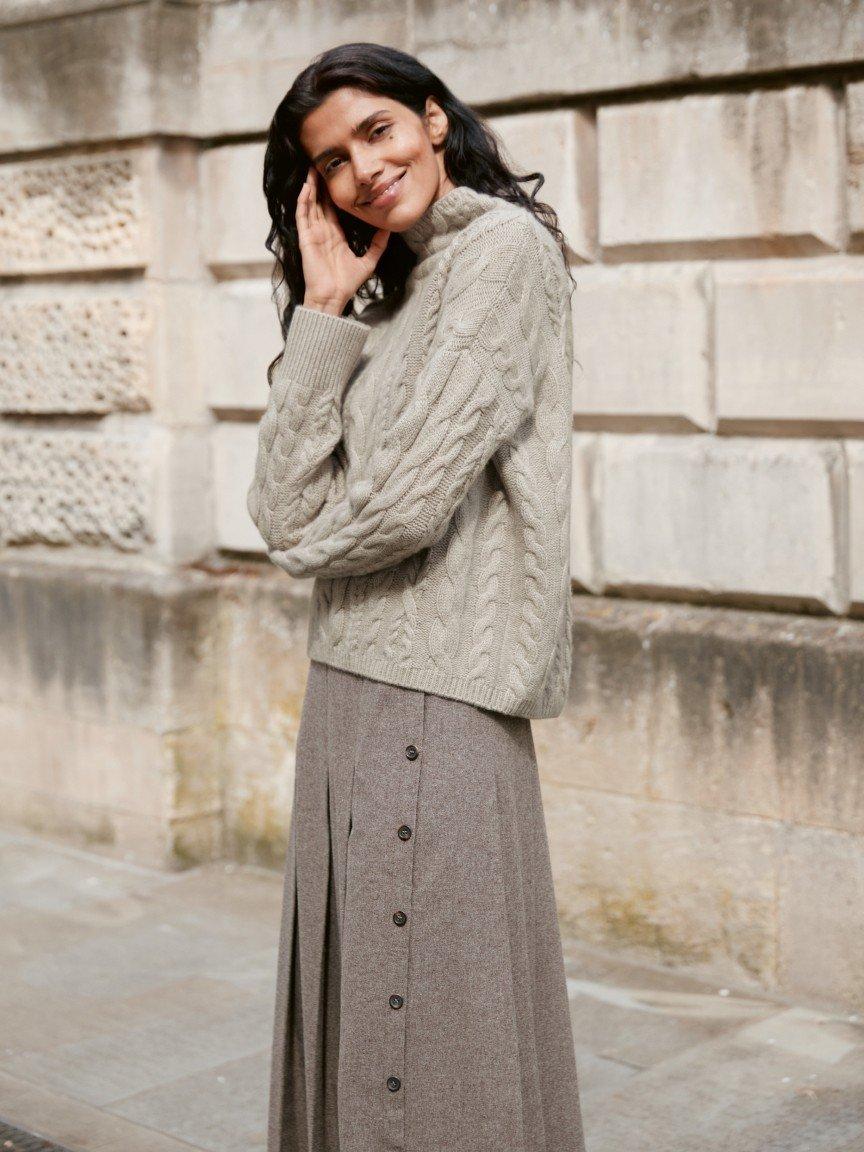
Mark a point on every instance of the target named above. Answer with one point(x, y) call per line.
point(417, 463)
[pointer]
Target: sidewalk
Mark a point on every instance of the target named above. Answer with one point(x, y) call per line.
point(136, 1008)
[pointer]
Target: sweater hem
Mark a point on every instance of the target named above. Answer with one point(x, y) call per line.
point(439, 683)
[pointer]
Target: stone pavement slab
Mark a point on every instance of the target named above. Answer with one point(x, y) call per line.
point(136, 1012)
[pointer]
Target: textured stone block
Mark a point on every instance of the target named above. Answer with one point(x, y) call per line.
point(243, 336)
point(821, 915)
point(80, 212)
point(561, 145)
point(855, 171)
point(234, 448)
point(642, 345)
point(235, 221)
point(74, 488)
point(751, 517)
point(755, 173)
point(790, 343)
point(74, 353)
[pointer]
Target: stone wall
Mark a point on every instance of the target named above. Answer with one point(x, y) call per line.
point(707, 163)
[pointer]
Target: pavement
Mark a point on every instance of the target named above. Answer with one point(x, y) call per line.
point(136, 1011)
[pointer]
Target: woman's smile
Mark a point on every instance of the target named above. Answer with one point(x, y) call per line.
point(390, 193)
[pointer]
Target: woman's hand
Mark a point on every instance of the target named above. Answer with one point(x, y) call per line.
point(332, 272)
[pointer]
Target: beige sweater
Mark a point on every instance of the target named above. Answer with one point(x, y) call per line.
point(417, 464)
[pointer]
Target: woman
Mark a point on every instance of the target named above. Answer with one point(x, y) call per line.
point(415, 459)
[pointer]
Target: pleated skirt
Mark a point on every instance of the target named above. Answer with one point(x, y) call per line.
point(421, 999)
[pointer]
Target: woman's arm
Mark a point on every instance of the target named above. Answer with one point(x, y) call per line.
point(474, 390)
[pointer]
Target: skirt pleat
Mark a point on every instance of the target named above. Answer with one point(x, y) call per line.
point(421, 999)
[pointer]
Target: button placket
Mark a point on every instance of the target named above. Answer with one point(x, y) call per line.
point(373, 1093)
point(397, 1005)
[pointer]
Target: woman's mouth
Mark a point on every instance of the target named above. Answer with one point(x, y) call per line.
point(388, 195)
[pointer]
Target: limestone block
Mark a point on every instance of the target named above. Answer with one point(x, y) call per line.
point(495, 52)
point(262, 627)
point(235, 221)
point(71, 74)
point(583, 523)
point(75, 352)
point(249, 55)
point(243, 336)
point(681, 884)
point(729, 516)
point(821, 915)
point(755, 173)
point(560, 145)
point(855, 171)
point(81, 212)
point(602, 739)
point(790, 342)
point(642, 346)
point(183, 513)
point(116, 648)
point(74, 488)
point(739, 725)
point(235, 446)
point(855, 464)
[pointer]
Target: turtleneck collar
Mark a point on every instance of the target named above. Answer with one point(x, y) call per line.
point(436, 227)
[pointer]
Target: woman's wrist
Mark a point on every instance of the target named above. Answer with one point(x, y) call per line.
point(331, 307)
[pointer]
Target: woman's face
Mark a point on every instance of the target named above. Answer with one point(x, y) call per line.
point(360, 143)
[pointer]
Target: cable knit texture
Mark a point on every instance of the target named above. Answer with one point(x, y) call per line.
point(417, 463)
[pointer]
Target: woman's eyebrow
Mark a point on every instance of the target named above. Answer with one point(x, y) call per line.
point(357, 130)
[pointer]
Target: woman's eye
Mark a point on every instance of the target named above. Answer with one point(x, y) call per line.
point(380, 128)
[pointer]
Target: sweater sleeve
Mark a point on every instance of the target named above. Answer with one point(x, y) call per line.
point(474, 389)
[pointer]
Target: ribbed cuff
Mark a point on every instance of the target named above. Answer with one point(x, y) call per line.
point(324, 346)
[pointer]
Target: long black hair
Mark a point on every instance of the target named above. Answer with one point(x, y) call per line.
point(472, 156)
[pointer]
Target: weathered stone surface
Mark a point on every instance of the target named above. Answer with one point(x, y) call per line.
point(729, 516)
point(235, 221)
point(755, 173)
point(855, 464)
point(642, 345)
point(553, 48)
point(855, 173)
point(249, 57)
point(684, 885)
point(243, 336)
point(90, 75)
point(183, 525)
point(758, 714)
point(584, 551)
point(821, 914)
point(74, 353)
point(234, 448)
point(790, 343)
point(73, 213)
point(74, 488)
point(562, 146)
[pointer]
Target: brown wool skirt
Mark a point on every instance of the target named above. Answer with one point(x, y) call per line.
point(421, 1000)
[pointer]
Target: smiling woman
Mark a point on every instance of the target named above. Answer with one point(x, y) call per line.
point(415, 460)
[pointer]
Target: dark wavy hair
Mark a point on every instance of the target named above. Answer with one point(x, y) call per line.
point(472, 156)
